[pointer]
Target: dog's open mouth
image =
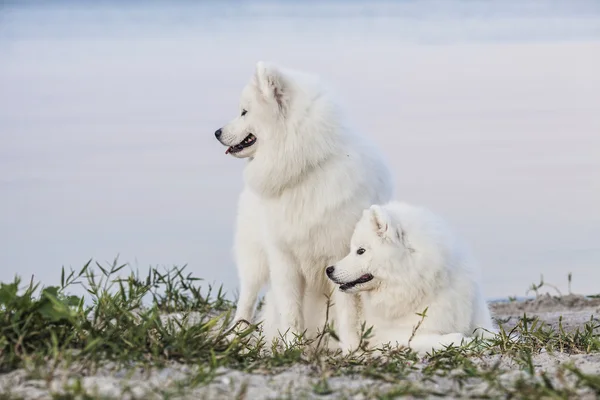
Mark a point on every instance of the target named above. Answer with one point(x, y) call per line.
point(247, 142)
point(363, 279)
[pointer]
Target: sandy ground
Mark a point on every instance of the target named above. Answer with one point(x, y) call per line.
point(300, 381)
point(574, 309)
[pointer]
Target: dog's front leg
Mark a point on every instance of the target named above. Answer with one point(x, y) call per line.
point(348, 310)
point(250, 256)
point(253, 275)
point(287, 286)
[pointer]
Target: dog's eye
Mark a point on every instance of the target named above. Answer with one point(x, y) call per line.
point(360, 251)
point(244, 112)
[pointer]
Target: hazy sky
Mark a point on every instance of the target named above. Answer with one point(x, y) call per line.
point(489, 114)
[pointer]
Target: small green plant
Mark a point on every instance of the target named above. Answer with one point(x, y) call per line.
point(570, 279)
point(536, 287)
point(322, 387)
point(423, 315)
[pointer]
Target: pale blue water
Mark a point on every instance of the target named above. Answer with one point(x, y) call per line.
point(488, 111)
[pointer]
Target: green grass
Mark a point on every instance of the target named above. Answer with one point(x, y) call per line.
point(122, 320)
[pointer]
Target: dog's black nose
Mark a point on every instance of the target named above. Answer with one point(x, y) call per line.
point(330, 270)
point(218, 133)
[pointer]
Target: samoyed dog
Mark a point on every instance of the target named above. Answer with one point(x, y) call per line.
point(308, 177)
point(404, 259)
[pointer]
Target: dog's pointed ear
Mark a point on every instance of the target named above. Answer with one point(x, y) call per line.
point(380, 221)
point(272, 84)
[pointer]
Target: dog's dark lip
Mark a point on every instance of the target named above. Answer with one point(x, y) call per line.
point(363, 279)
point(247, 142)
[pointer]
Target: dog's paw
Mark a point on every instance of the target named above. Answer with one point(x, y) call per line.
point(455, 339)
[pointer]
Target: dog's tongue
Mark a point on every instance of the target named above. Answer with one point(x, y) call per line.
point(227, 151)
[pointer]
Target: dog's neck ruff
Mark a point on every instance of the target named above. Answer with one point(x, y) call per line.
point(275, 182)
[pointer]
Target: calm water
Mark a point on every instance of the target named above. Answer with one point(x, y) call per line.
point(488, 111)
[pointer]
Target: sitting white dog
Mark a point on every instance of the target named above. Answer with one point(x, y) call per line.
point(308, 177)
point(403, 260)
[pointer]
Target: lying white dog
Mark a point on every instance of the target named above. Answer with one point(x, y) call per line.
point(403, 260)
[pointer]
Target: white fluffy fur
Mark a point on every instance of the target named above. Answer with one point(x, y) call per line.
point(416, 262)
point(307, 180)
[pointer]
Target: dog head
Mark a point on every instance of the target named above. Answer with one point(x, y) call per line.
point(377, 247)
point(265, 102)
